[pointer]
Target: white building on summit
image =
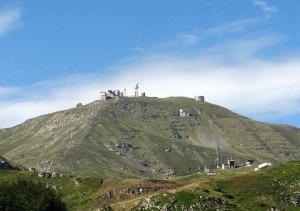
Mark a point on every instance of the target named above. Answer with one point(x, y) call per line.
point(110, 94)
point(105, 95)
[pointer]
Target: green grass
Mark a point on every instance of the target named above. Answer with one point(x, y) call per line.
point(75, 197)
point(273, 187)
point(277, 186)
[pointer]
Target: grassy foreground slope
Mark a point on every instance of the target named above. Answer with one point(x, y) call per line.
point(144, 137)
point(86, 193)
point(276, 187)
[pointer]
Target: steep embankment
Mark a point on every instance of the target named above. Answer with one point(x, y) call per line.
point(133, 137)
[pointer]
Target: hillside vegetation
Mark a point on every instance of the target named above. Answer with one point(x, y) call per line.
point(144, 138)
point(276, 187)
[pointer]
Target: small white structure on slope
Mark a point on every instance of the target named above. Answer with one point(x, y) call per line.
point(183, 113)
point(263, 165)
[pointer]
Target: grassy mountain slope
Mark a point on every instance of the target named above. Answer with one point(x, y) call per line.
point(87, 193)
point(144, 137)
point(276, 187)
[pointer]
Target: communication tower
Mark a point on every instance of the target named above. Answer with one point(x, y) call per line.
point(136, 87)
point(218, 161)
point(218, 154)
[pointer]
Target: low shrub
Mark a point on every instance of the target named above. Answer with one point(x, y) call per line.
point(23, 195)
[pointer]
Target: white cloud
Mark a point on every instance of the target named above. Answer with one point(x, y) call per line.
point(250, 86)
point(229, 73)
point(9, 20)
point(199, 38)
point(188, 38)
point(45, 97)
point(6, 92)
point(266, 8)
point(232, 27)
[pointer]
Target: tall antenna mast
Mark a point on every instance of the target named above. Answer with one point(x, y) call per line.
point(136, 89)
point(218, 161)
point(218, 154)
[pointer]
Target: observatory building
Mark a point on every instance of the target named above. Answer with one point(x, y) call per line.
point(110, 94)
point(105, 95)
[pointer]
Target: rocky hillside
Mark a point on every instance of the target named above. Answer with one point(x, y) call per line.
point(145, 137)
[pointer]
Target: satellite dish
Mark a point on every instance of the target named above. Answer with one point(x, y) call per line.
point(136, 86)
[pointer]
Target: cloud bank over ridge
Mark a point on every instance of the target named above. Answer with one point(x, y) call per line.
point(259, 88)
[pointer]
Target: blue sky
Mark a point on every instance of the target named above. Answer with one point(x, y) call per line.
point(240, 54)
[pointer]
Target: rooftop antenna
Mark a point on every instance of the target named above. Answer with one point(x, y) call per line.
point(136, 89)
